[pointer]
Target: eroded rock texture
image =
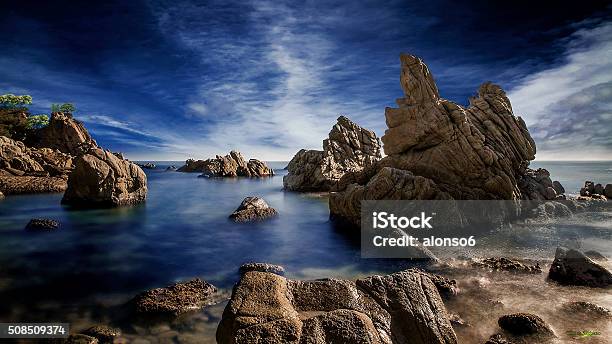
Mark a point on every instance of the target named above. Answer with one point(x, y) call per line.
point(404, 307)
point(174, 300)
point(253, 208)
point(349, 148)
point(437, 149)
point(572, 267)
point(101, 179)
point(65, 134)
point(231, 165)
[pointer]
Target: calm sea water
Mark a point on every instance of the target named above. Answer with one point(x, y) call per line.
point(182, 231)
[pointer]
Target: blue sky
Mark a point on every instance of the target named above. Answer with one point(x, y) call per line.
point(168, 80)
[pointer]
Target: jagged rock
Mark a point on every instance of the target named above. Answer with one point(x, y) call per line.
point(42, 225)
point(100, 179)
point(349, 148)
point(148, 166)
point(174, 300)
point(586, 310)
point(498, 339)
point(171, 168)
point(505, 264)
point(572, 267)
point(253, 208)
point(102, 333)
point(65, 134)
point(608, 191)
point(14, 123)
point(231, 165)
point(437, 149)
point(262, 267)
point(525, 324)
point(446, 286)
point(404, 307)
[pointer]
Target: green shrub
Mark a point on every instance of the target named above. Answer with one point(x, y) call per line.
point(65, 108)
point(38, 121)
point(12, 101)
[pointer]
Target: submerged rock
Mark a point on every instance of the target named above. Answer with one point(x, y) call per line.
point(147, 166)
point(253, 208)
point(437, 149)
point(525, 324)
point(572, 267)
point(587, 310)
point(104, 334)
point(100, 179)
point(42, 225)
point(349, 148)
point(262, 267)
point(174, 300)
point(171, 168)
point(231, 165)
point(404, 307)
point(505, 264)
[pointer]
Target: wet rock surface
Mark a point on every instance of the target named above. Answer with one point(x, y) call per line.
point(586, 309)
point(506, 264)
point(437, 149)
point(349, 148)
point(399, 308)
point(253, 209)
point(101, 179)
point(498, 339)
point(262, 267)
point(42, 225)
point(104, 334)
point(231, 165)
point(174, 300)
point(520, 324)
point(80, 339)
point(572, 267)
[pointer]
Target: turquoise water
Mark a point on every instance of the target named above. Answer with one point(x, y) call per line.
point(182, 231)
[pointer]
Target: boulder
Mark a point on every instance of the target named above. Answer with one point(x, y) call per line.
point(521, 324)
point(437, 149)
point(80, 339)
point(349, 148)
point(65, 134)
point(446, 287)
point(104, 334)
point(100, 179)
point(171, 168)
point(174, 300)
point(586, 310)
point(498, 339)
point(608, 191)
point(42, 225)
point(505, 264)
point(598, 189)
point(253, 208)
point(595, 255)
point(572, 267)
point(262, 267)
point(404, 307)
point(231, 165)
point(147, 166)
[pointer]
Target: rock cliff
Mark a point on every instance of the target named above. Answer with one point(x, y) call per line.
point(349, 148)
point(437, 149)
point(231, 165)
point(65, 134)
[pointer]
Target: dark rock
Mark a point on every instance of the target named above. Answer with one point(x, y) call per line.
point(558, 187)
point(446, 286)
point(404, 307)
point(174, 300)
point(42, 225)
point(505, 264)
point(349, 148)
point(572, 267)
point(80, 339)
point(598, 189)
point(148, 166)
point(498, 339)
point(100, 179)
point(525, 324)
point(595, 255)
point(457, 321)
point(14, 123)
point(231, 165)
point(253, 209)
point(608, 191)
point(587, 310)
point(104, 334)
point(171, 168)
point(262, 267)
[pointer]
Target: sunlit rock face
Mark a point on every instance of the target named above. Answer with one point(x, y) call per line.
point(65, 134)
point(349, 148)
point(437, 149)
point(231, 165)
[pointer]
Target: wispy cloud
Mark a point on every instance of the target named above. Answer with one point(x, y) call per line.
point(568, 108)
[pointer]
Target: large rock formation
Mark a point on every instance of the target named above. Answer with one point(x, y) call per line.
point(231, 165)
point(13, 123)
point(349, 148)
point(437, 149)
point(101, 179)
point(572, 267)
point(404, 307)
point(65, 134)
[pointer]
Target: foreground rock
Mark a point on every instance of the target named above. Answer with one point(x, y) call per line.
point(13, 185)
point(42, 225)
point(174, 300)
point(521, 324)
point(349, 148)
point(253, 209)
point(103, 334)
point(572, 267)
point(505, 264)
point(80, 339)
point(404, 307)
point(261, 267)
point(437, 149)
point(587, 310)
point(65, 134)
point(231, 165)
point(594, 190)
point(101, 179)
point(497, 339)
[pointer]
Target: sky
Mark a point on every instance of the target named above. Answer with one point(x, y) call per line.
point(170, 80)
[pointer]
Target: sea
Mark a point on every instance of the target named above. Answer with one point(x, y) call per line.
point(99, 259)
